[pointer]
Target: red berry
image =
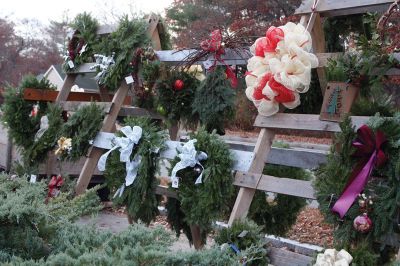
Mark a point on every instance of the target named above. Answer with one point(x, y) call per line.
point(178, 85)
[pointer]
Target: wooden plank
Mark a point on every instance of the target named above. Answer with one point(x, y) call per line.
point(242, 159)
point(347, 7)
point(245, 195)
point(69, 168)
point(302, 158)
point(163, 190)
point(286, 186)
point(282, 257)
point(85, 68)
point(308, 123)
point(292, 245)
point(51, 96)
point(248, 180)
point(73, 106)
point(108, 124)
point(137, 111)
point(318, 44)
point(175, 57)
point(69, 81)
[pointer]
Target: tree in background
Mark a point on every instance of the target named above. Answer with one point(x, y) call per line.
point(193, 20)
point(26, 52)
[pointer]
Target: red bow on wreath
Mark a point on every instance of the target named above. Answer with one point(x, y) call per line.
point(54, 186)
point(75, 45)
point(369, 149)
point(214, 45)
point(282, 94)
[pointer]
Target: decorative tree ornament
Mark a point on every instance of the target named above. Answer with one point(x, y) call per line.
point(64, 145)
point(161, 110)
point(35, 110)
point(54, 186)
point(178, 85)
point(362, 223)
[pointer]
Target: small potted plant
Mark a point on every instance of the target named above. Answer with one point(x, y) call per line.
point(344, 82)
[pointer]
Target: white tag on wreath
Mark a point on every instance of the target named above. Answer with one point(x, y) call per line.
point(129, 79)
point(33, 179)
point(71, 64)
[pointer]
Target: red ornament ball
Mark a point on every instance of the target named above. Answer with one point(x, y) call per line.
point(178, 85)
point(362, 223)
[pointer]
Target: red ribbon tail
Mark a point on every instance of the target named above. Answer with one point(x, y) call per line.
point(231, 76)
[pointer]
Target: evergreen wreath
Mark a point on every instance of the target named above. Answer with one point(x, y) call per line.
point(82, 43)
point(201, 204)
point(82, 127)
point(139, 198)
point(214, 101)
point(176, 102)
point(277, 215)
point(247, 237)
point(383, 185)
point(126, 44)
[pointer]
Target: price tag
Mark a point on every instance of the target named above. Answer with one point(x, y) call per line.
point(243, 233)
point(175, 183)
point(71, 64)
point(129, 79)
point(33, 179)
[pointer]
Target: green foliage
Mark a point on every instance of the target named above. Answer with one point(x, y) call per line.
point(30, 81)
point(279, 216)
point(33, 233)
point(130, 35)
point(345, 68)
point(214, 101)
point(139, 198)
point(333, 177)
point(85, 27)
point(177, 103)
point(81, 127)
point(248, 237)
point(27, 224)
point(165, 36)
point(206, 202)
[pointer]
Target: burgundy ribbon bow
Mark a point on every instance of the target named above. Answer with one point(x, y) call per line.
point(54, 186)
point(214, 45)
point(369, 150)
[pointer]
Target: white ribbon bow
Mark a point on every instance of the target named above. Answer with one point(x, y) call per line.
point(44, 125)
point(125, 146)
point(103, 63)
point(189, 158)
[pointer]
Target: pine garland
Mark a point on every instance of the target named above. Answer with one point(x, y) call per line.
point(177, 104)
point(82, 127)
point(214, 101)
point(206, 202)
point(384, 188)
point(139, 198)
point(85, 35)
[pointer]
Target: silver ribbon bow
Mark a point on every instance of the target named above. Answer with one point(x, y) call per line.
point(103, 63)
point(189, 158)
point(44, 125)
point(125, 146)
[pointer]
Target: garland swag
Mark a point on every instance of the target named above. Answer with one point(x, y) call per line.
point(200, 204)
point(383, 186)
point(175, 102)
point(139, 198)
point(82, 43)
point(214, 101)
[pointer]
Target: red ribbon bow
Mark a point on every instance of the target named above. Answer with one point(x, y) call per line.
point(268, 44)
point(369, 150)
point(54, 186)
point(283, 94)
point(214, 45)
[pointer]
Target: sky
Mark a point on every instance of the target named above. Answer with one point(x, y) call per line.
point(103, 10)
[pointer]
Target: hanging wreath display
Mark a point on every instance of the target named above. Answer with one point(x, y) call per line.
point(119, 55)
point(82, 42)
point(175, 95)
point(202, 176)
point(358, 189)
point(280, 68)
point(214, 101)
point(135, 156)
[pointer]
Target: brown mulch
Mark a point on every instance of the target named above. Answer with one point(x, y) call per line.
point(310, 228)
